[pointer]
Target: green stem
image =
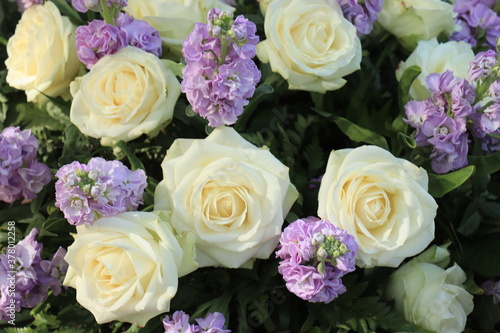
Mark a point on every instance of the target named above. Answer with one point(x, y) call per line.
point(3, 41)
point(106, 14)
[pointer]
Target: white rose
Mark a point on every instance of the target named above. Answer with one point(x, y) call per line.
point(233, 196)
point(42, 55)
point(431, 297)
point(310, 44)
point(381, 200)
point(263, 4)
point(433, 57)
point(174, 19)
point(125, 267)
point(124, 95)
point(414, 20)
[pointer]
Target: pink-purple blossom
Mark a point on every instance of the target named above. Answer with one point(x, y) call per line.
point(219, 78)
point(481, 66)
point(87, 192)
point(315, 255)
point(492, 288)
point(33, 277)
point(361, 15)
point(140, 34)
point(179, 322)
point(95, 5)
point(21, 175)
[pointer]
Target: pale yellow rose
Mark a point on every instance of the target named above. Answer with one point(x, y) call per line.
point(126, 267)
point(381, 200)
point(124, 95)
point(310, 44)
point(431, 296)
point(434, 57)
point(42, 56)
point(232, 195)
point(414, 20)
point(174, 19)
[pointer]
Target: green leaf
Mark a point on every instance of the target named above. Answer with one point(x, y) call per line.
point(471, 219)
point(72, 135)
point(135, 162)
point(409, 75)
point(481, 255)
point(486, 165)
point(439, 185)
point(360, 134)
point(490, 209)
point(69, 11)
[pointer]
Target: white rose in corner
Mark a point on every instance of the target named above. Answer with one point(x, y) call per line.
point(124, 95)
point(433, 57)
point(431, 297)
point(173, 19)
point(310, 44)
point(414, 20)
point(381, 200)
point(126, 267)
point(232, 195)
point(42, 55)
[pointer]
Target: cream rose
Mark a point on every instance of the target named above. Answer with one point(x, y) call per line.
point(126, 267)
point(381, 200)
point(124, 95)
point(233, 196)
point(433, 57)
point(42, 55)
point(174, 19)
point(431, 297)
point(414, 20)
point(310, 44)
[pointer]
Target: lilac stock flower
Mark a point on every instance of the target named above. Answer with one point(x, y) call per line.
point(95, 5)
point(21, 176)
point(492, 288)
point(179, 322)
point(315, 255)
point(140, 34)
point(25, 4)
point(33, 277)
point(480, 67)
point(96, 40)
point(476, 19)
point(219, 78)
point(86, 192)
point(361, 16)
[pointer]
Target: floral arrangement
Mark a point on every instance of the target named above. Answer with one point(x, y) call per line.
point(250, 166)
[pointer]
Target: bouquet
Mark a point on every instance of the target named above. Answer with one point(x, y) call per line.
point(250, 166)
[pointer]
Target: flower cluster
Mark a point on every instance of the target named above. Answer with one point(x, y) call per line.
point(21, 175)
point(476, 19)
point(440, 121)
point(100, 37)
point(361, 15)
point(315, 255)
point(486, 122)
point(179, 322)
point(220, 75)
point(86, 192)
point(34, 277)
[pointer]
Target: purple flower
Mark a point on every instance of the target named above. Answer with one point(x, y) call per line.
point(213, 323)
point(361, 16)
point(315, 255)
point(449, 157)
point(494, 90)
point(219, 88)
point(98, 39)
point(480, 67)
point(85, 5)
point(31, 277)
point(100, 188)
point(140, 34)
point(20, 174)
point(25, 4)
point(492, 288)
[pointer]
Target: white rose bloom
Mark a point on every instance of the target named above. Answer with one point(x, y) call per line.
point(42, 56)
point(124, 95)
point(433, 57)
point(414, 20)
point(173, 19)
point(310, 44)
point(431, 297)
point(125, 267)
point(381, 200)
point(232, 195)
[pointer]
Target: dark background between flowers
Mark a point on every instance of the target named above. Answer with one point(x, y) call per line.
point(301, 129)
